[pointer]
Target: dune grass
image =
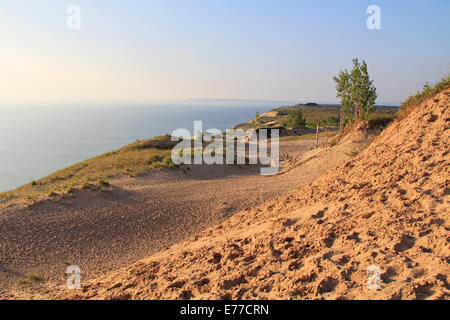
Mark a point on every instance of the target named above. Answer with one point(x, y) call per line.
point(427, 92)
point(132, 160)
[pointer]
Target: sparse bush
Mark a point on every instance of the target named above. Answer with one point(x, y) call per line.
point(31, 278)
point(162, 143)
point(167, 160)
point(102, 183)
point(52, 193)
point(257, 117)
point(155, 159)
point(354, 153)
point(427, 92)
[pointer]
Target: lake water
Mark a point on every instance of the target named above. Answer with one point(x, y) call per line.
point(36, 141)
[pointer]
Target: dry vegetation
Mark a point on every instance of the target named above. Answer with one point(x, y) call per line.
point(427, 92)
point(132, 160)
point(31, 278)
point(93, 174)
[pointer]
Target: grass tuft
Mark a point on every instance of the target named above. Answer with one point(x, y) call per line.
point(31, 278)
point(426, 93)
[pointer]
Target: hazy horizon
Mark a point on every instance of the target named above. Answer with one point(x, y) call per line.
point(190, 102)
point(162, 51)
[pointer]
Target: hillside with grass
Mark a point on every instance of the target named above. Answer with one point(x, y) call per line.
point(132, 160)
point(141, 157)
point(326, 114)
point(428, 91)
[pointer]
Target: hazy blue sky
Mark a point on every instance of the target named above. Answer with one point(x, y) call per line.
point(245, 49)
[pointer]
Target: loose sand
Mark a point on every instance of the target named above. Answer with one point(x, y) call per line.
point(101, 232)
point(388, 207)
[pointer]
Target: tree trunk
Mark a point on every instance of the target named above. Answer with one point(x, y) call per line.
point(317, 134)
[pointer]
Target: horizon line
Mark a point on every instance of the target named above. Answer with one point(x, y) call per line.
point(185, 101)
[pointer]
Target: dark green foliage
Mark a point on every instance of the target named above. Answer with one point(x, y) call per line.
point(295, 119)
point(161, 143)
point(357, 93)
point(257, 117)
point(332, 121)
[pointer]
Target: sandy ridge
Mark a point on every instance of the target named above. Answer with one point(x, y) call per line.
point(388, 207)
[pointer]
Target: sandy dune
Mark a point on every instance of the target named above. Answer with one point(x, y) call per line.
point(388, 207)
point(100, 232)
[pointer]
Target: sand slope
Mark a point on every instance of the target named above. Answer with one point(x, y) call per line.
point(101, 232)
point(389, 207)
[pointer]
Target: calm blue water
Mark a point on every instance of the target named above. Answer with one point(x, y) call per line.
point(36, 141)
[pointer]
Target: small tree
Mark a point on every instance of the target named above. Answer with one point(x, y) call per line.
point(357, 93)
point(257, 117)
point(343, 87)
point(295, 119)
point(369, 92)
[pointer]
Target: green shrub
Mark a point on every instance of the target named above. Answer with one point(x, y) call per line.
point(295, 119)
point(332, 121)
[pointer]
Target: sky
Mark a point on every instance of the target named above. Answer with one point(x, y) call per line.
point(139, 51)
